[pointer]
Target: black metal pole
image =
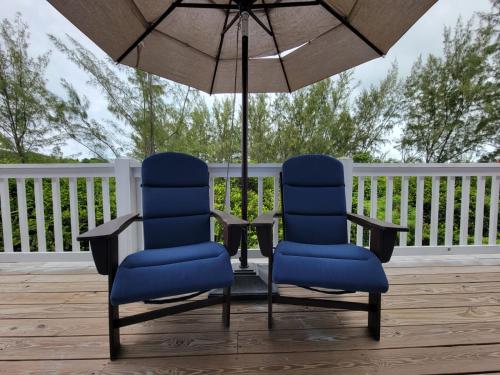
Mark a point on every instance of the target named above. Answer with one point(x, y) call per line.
point(244, 136)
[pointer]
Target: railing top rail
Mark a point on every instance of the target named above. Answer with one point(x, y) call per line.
point(56, 170)
point(426, 169)
point(255, 170)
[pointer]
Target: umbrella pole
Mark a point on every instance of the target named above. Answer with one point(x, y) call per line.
point(249, 282)
point(244, 136)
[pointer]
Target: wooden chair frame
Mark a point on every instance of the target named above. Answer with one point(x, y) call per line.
point(104, 246)
point(383, 237)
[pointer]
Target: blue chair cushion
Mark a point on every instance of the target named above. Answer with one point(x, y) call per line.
point(314, 205)
point(175, 200)
point(158, 273)
point(342, 267)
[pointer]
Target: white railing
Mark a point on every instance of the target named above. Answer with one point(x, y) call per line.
point(32, 198)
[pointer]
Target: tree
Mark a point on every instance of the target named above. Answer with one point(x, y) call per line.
point(76, 125)
point(451, 102)
point(261, 134)
point(137, 99)
point(376, 112)
point(27, 118)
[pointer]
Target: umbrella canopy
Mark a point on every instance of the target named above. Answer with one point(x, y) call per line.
point(292, 43)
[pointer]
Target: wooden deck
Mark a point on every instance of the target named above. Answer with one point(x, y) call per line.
point(437, 318)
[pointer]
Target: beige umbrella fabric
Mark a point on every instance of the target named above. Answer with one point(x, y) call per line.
point(314, 44)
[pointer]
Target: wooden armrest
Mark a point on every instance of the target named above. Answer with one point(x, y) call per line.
point(264, 227)
point(227, 219)
point(371, 223)
point(104, 242)
point(232, 228)
point(110, 228)
point(382, 236)
point(266, 219)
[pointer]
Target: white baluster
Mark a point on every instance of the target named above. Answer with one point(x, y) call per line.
point(478, 225)
point(260, 194)
point(464, 211)
point(23, 214)
point(419, 210)
point(6, 215)
point(40, 215)
point(106, 207)
point(450, 208)
point(57, 216)
point(73, 208)
point(389, 187)
point(434, 210)
point(403, 236)
point(493, 229)
point(360, 209)
point(90, 202)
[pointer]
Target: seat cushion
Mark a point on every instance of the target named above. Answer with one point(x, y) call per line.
point(343, 267)
point(172, 271)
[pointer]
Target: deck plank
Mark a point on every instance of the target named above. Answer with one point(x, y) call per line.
point(437, 360)
point(437, 318)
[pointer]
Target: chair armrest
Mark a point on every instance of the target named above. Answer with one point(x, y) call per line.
point(232, 228)
point(264, 227)
point(110, 228)
point(104, 242)
point(383, 235)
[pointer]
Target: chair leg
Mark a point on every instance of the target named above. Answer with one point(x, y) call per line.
point(270, 294)
point(114, 332)
point(226, 307)
point(374, 314)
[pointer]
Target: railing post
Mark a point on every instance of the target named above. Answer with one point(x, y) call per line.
point(126, 202)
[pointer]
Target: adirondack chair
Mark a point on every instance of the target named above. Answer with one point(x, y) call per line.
point(314, 253)
point(179, 260)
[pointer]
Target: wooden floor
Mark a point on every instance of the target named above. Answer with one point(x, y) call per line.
point(438, 317)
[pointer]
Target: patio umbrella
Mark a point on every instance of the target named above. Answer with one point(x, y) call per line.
point(285, 44)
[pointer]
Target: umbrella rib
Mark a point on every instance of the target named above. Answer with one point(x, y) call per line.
point(277, 48)
point(261, 24)
point(285, 4)
point(149, 29)
point(221, 42)
point(346, 23)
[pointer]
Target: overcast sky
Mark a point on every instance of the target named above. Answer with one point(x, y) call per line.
point(423, 38)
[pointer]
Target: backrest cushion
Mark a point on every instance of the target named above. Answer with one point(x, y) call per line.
point(314, 208)
point(175, 200)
